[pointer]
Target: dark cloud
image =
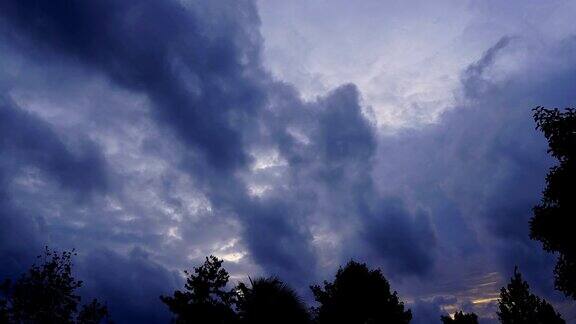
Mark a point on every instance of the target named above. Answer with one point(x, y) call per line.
point(344, 137)
point(406, 242)
point(131, 288)
point(15, 251)
point(207, 85)
point(474, 80)
point(224, 159)
point(278, 243)
point(330, 148)
point(203, 85)
point(424, 312)
point(204, 82)
point(481, 168)
point(203, 79)
point(27, 140)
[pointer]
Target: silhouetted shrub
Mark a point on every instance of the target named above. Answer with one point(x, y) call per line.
point(358, 296)
point(268, 300)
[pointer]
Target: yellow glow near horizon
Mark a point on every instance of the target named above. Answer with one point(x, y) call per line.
point(484, 300)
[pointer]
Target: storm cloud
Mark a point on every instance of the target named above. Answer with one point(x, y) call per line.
point(148, 134)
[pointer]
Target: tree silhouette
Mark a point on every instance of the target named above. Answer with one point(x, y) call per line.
point(269, 300)
point(553, 220)
point(517, 305)
point(4, 311)
point(358, 296)
point(460, 318)
point(204, 299)
point(93, 313)
point(46, 294)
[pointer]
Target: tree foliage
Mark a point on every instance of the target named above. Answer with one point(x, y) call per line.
point(554, 218)
point(460, 318)
point(93, 313)
point(517, 305)
point(359, 295)
point(269, 300)
point(205, 299)
point(47, 294)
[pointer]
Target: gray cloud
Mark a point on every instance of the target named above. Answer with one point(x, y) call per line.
point(481, 168)
point(28, 144)
point(27, 140)
point(132, 287)
point(186, 146)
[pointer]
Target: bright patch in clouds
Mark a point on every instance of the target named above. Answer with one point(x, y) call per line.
point(405, 56)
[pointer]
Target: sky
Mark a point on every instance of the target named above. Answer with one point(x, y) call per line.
point(285, 137)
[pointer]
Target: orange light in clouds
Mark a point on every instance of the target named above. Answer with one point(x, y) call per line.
point(484, 300)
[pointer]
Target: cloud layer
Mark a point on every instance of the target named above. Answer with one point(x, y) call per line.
point(148, 134)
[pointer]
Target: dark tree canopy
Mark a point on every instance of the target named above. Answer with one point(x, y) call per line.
point(204, 299)
point(518, 305)
point(4, 311)
point(46, 294)
point(554, 218)
point(460, 318)
point(359, 295)
point(269, 300)
point(92, 313)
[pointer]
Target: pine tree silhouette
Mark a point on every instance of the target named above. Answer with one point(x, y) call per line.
point(517, 305)
point(204, 300)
